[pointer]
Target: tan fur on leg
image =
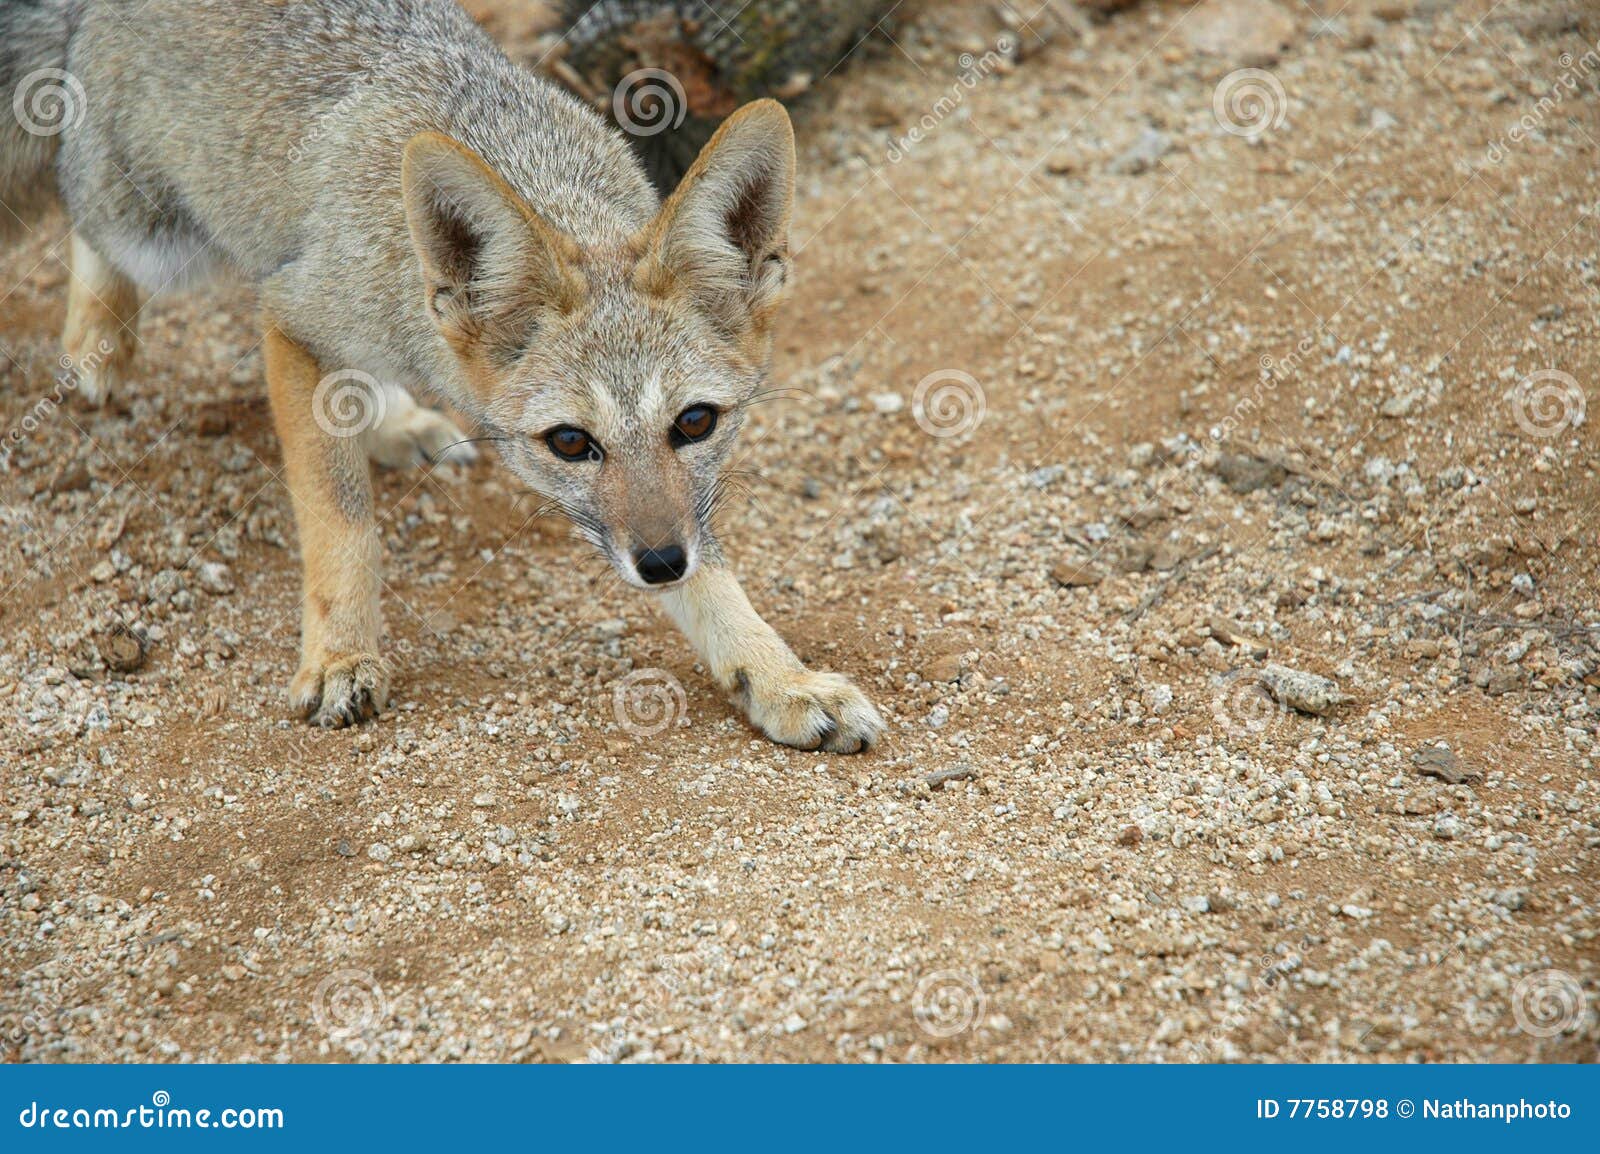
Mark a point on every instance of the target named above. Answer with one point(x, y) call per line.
point(101, 333)
point(747, 658)
point(341, 678)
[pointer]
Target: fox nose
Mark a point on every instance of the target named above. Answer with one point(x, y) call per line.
point(658, 566)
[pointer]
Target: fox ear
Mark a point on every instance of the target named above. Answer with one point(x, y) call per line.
point(723, 234)
point(490, 264)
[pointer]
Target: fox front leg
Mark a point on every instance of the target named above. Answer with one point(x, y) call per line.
point(341, 678)
point(788, 702)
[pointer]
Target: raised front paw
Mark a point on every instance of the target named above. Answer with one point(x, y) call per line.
point(340, 690)
point(810, 710)
point(415, 437)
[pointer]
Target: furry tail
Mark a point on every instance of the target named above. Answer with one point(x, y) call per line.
point(39, 100)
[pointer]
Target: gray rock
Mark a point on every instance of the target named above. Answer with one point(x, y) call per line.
point(1307, 692)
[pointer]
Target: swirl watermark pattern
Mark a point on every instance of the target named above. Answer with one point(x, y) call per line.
point(648, 101)
point(1574, 80)
point(948, 1002)
point(348, 402)
point(948, 403)
point(1548, 403)
point(1250, 102)
point(1548, 1003)
point(974, 70)
point(648, 701)
point(48, 102)
point(1242, 704)
point(348, 1003)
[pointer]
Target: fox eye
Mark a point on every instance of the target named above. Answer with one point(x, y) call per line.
point(694, 424)
point(572, 444)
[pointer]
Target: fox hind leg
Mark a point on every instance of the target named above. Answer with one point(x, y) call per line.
point(101, 332)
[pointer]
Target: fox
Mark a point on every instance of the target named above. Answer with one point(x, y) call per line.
point(420, 216)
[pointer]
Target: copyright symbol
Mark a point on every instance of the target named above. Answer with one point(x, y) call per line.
point(1405, 1109)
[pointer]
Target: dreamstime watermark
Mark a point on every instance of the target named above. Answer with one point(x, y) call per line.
point(66, 382)
point(160, 1114)
point(648, 701)
point(1250, 102)
point(948, 1002)
point(974, 71)
point(1243, 705)
point(1548, 1003)
point(342, 107)
point(348, 402)
point(48, 102)
point(41, 1020)
point(1273, 373)
point(1548, 403)
point(648, 101)
point(348, 1003)
point(948, 403)
point(1565, 85)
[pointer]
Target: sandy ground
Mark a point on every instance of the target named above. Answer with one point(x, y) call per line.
point(1110, 389)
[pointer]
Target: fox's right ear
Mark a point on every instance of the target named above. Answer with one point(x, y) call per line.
point(490, 264)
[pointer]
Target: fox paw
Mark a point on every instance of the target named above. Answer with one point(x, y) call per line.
point(811, 710)
point(418, 437)
point(340, 691)
point(97, 365)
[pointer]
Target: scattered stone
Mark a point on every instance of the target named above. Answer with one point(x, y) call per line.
point(1132, 556)
point(1229, 632)
point(940, 777)
point(1442, 762)
point(71, 477)
point(1245, 33)
point(1073, 574)
point(1143, 153)
point(1401, 404)
point(1307, 692)
point(1419, 804)
point(122, 649)
point(215, 578)
point(1167, 556)
point(212, 420)
point(1245, 474)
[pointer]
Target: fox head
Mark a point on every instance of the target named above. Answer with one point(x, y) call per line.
point(617, 377)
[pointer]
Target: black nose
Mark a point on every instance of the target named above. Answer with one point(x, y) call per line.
point(658, 566)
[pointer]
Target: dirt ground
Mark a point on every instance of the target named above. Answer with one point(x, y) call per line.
point(1110, 386)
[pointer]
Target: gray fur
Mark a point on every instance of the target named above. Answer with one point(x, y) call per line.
point(33, 38)
point(266, 140)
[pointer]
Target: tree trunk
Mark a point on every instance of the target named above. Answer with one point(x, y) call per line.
point(669, 71)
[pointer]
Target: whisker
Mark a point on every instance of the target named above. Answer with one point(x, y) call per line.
point(764, 395)
point(466, 441)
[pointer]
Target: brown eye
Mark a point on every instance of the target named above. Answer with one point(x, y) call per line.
point(572, 444)
point(694, 424)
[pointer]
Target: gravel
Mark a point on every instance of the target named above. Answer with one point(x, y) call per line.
point(1089, 834)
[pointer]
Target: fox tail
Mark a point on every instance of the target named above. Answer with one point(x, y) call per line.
point(39, 100)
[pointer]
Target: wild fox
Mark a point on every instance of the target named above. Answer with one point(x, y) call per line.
point(413, 206)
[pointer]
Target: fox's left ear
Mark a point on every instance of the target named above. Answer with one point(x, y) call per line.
point(723, 234)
